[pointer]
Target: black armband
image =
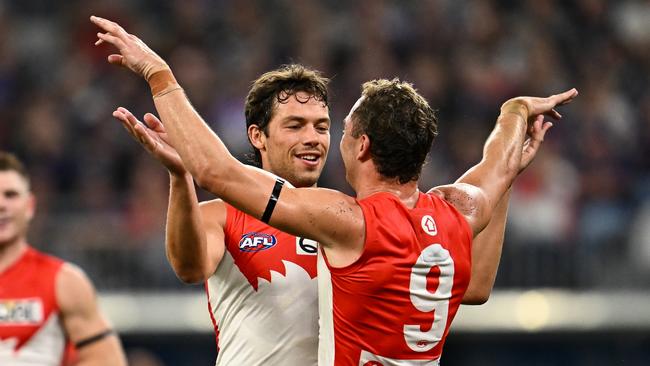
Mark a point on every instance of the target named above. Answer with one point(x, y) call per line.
point(94, 338)
point(273, 199)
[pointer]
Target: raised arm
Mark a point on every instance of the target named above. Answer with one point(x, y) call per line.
point(323, 215)
point(477, 193)
point(194, 240)
point(488, 244)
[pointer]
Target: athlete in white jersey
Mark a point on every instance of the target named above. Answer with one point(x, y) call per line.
point(260, 282)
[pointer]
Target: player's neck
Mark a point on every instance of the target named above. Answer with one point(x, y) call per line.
point(370, 184)
point(10, 253)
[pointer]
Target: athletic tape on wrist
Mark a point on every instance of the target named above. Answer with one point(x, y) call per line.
point(163, 82)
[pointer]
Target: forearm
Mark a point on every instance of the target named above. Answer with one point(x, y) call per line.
point(205, 156)
point(486, 255)
point(185, 241)
point(502, 150)
point(202, 151)
point(501, 157)
point(505, 143)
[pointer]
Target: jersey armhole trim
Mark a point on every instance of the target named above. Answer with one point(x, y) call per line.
point(359, 262)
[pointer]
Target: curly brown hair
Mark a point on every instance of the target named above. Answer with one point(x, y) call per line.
point(400, 124)
point(278, 86)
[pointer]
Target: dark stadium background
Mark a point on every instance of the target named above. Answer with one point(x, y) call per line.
point(573, 284)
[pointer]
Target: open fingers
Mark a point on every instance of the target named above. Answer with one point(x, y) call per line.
point(116, 59)
point(109, 26)
point(144, 136)
point(126, 123)
point(110, 38)
point(539, 133)
point(153, 122)
point(113, 33)
point(137, 129)
point(533, 143)
point(553, 114)
point(565, 97)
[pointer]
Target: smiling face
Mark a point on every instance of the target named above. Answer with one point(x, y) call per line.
point(16, 208)
point(298, 139)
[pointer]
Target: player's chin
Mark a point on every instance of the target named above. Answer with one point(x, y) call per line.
point(308, 178)
point(7, 237)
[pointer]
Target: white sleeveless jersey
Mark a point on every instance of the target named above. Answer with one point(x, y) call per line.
point(263, 296)
point(45, 348)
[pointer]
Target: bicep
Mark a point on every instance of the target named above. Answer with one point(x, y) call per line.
point(81, 317)
point(487, 183)
point(327, 216)
point(78, 303)
point(213, 215)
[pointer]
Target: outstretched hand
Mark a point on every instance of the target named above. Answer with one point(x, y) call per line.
point(152, 136)
point(536, 106)
point(133, 53)
point(536, 132)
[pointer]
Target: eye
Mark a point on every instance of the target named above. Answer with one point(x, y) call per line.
point(11, 194)
point(323, 128)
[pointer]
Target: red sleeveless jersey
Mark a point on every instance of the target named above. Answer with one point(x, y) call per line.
point(30, 328)
point(395, 304)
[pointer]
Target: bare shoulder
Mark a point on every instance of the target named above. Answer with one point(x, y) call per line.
point(73, 288)
point(214, 205)
point(213, 212)
point(468, 199)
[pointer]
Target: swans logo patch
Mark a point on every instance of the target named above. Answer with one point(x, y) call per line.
point(429, 225)
point(255, 242)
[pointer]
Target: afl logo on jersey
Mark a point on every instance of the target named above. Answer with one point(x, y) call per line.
point(255, 242)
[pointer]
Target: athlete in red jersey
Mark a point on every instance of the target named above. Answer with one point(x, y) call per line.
point(387, 137)
point(397, 308)
point(44, 302)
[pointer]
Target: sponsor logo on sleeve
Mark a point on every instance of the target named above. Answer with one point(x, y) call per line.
point(255, 242)
point(306, 246)
point(21, 311)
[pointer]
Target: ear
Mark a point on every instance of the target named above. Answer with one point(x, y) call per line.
point(31, 206)
point(363, 153)
point(257, 137)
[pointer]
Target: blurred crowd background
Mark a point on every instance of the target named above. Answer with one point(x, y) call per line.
point(579, 217)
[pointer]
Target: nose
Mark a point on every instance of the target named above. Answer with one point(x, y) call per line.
point(310, 136)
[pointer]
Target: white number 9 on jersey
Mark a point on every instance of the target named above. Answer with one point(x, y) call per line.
point(425, 301)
